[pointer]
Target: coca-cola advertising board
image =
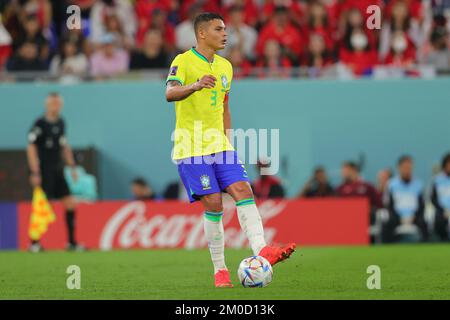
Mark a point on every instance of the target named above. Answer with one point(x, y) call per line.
point(175, 224)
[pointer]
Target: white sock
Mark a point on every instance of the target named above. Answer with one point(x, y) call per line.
point(213, 226)
point(251, 223)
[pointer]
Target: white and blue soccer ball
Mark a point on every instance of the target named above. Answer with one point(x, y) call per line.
point(255, 272)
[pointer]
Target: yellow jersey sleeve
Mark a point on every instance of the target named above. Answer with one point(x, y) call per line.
point(177, 70)
point(230, 70)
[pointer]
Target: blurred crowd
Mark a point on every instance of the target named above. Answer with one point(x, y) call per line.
point(266, 38)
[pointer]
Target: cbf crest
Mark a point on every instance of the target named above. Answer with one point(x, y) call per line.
point(204, 179)
point(224, 81)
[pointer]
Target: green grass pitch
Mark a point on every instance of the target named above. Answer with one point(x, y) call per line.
point(407, 272)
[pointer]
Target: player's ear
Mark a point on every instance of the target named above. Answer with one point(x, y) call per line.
point(201, 31)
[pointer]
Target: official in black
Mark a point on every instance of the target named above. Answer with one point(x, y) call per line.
point(47, 152)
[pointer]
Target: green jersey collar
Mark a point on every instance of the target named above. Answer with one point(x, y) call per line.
point(198, 54)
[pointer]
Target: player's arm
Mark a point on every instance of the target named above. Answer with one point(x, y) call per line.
point(70, 160)
point(67, 153)
point(33, 164)
point(34, 136)
point(227, 118)
point(176, 92)
point(68, 156)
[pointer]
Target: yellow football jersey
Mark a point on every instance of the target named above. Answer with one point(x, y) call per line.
point(199, 118)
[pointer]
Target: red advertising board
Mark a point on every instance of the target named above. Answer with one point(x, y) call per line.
point(174, 224)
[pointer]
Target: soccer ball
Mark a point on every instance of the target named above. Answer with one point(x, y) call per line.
point(255, 271)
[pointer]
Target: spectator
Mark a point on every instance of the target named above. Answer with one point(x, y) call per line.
point(102, 9)
point(114, 27)
point(281, 30)
point(317, 55)
point(400, 20)
point(108, 60)
point(440, 197)
point(26, 59)
point(353, 18)
point(354, 186)
point(273, 64)
point(77, 37)
point(141, 190)
point(405, 202)
point(152, 55)
point(317, 22)
point(439, 55)
point(265, 186)
point(159, 22)
point(41, 9)
point(317, 186)
point(294, 10)
point(5, 44)
point(240, 34)
point(144, 12)
point(32, 32)
point(241, 66)
point(185, 33)
point(402, 52)
point(357, 51)
point(250, 10)
point(70, 63)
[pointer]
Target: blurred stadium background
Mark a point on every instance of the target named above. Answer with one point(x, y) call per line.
point(348, 102)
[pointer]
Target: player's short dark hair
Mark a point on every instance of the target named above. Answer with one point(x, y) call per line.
point(206, 17)
point(319, 169)
point(140, 182)
point(404, 158)
point(351, 164)
point(445, 160)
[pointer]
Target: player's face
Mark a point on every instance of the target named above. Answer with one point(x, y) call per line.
point(346, 173)
point(321, 177)
point(215, 34)
point(54, 105)
point(405, 169)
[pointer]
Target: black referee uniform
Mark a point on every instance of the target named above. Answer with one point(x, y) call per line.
point(49, 138)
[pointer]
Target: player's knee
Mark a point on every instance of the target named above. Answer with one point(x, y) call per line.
point(213, 202)
point(242, 191)
point(69, 203)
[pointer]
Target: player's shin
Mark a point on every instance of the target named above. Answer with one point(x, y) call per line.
point(214, 233)
point(251, 223)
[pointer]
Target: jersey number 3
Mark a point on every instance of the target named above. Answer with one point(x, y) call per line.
point(214, 98)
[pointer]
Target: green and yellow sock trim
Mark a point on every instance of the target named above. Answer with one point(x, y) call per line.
point(213, 216)
point(245, 202)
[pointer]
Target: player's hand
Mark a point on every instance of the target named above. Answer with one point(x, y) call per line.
point(208, 81)
point(35, 180)
point(74, 175)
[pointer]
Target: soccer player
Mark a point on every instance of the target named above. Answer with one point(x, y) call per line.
point(199, 81)
point(47, 148)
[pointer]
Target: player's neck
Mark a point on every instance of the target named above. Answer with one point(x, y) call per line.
point(51, 117)
point(205, 51)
